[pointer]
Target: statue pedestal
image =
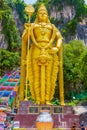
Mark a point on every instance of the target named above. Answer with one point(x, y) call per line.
point(63, 116)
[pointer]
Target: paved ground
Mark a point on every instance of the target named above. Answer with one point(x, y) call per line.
point(80, 109)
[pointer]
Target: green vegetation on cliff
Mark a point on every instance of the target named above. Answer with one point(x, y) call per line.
point(9, 58)
point(9, 27)
point(19, 6)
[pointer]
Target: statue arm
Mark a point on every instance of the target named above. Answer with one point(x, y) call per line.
point(59, 39)
point(25, 33)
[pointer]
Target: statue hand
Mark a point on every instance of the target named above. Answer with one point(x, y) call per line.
point(25, 33)
point(27, 25)
point(53, 50)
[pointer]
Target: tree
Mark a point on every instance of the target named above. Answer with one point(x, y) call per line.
point(8, 60)
point(83, 64)
point(72, 71)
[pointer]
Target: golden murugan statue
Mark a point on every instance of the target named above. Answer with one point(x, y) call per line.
point(42, 59)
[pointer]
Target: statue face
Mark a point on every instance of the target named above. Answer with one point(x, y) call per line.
point(42, 16)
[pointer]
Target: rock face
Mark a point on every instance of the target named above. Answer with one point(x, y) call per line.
point(82, 32)
point(64, 16)
point(18, 23)
point(3, 42)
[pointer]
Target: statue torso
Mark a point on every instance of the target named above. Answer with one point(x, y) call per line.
point(42, 33)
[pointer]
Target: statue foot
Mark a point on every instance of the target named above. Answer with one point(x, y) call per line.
point(38, 102)
point(62, 104)
point(48, 103)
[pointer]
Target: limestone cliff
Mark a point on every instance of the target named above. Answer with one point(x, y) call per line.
point(19, 25)
point(3, 42)
point(81, 31)
point(18, 22)
point(64, 16)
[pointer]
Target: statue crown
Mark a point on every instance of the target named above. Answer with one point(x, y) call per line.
point(42, 7)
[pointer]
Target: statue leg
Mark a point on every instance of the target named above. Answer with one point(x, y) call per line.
point(36, 80)
point(55, 69)
point(48, 81)
point(22, 81)
point(31, 80)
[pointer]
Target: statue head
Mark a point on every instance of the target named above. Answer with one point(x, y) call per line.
point(42, 8)
point(42, 15)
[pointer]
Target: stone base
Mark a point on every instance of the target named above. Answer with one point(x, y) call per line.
point(63, 116)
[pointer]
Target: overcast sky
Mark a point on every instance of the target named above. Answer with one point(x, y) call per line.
point(30, 1)
point(33, 1)
point(86, 1)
